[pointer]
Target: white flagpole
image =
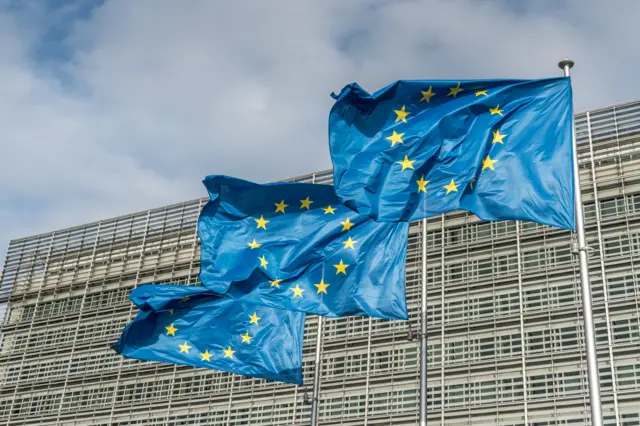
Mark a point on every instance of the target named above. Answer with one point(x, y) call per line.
point(423, 330)
point(587, 307)
point(316, 375)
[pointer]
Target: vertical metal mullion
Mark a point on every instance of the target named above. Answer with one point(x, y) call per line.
point(75, 334)
point(317, 374)
point(233, 378)
point(442, 322)
point(496, 338)
point(135, 285)
point(33, 319)
point(368, 371)
point(523, 340)
point(295, 403)
point(424, 351)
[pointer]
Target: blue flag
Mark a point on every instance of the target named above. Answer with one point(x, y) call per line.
point(193, 326)
point(501, 149)
point(294, 246)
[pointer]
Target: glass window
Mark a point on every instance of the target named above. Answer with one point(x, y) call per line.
point(483, 231)
point(608, 208)
point(622, 287)
point(590, 211)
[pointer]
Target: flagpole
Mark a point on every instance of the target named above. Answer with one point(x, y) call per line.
point(587, 307)
point(315, 399)
point(423, 330)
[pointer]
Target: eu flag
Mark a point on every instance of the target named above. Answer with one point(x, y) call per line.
point(501, 149)
point(193, 326)
point(294, 246)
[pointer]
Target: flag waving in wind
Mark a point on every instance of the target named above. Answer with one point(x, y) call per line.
point(501, 149)
point(193, 326)
point(294, 246)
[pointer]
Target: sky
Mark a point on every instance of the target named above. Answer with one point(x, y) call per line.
point(112, 107)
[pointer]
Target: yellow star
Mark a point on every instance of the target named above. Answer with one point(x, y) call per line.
point(205, 356)
point(406, 163)
point(171, 330)
point(497, 137)
point(246, 338)
point(426, 96)
point(422, 184)
point(488, 163)
point(228, 353)
point(481, 93)
point(306, 203)
point(254, 318)
point(297, 291)
point(253, 244)
point(341, 268)
point(350, 243)
point(185, 299)
point(329, 210)
point(262, 223)
point(322, 287)
point(263, 262)
point(184, 348)
point(280, 206)
point(275, 283)
point(471, 182)
point(395, 138)
point(451, 187)
point(171, 311)
point(401, 114)
point(496, 110)
point(346, 225)
point(453, 91)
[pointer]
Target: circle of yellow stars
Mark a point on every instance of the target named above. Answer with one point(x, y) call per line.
point(280, 208)
point(396, 138)
point(227, 353)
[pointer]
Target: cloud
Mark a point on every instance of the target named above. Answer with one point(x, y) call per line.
point(112, 108)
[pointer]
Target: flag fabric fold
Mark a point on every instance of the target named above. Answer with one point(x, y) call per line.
point(194, 326)
point(294, 246)
point(501, 149)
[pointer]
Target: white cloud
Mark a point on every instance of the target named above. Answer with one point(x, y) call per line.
point(148, 97)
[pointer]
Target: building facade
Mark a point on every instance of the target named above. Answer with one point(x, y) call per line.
point(504, 331)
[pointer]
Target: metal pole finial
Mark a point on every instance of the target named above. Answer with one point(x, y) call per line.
point(566, 63)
